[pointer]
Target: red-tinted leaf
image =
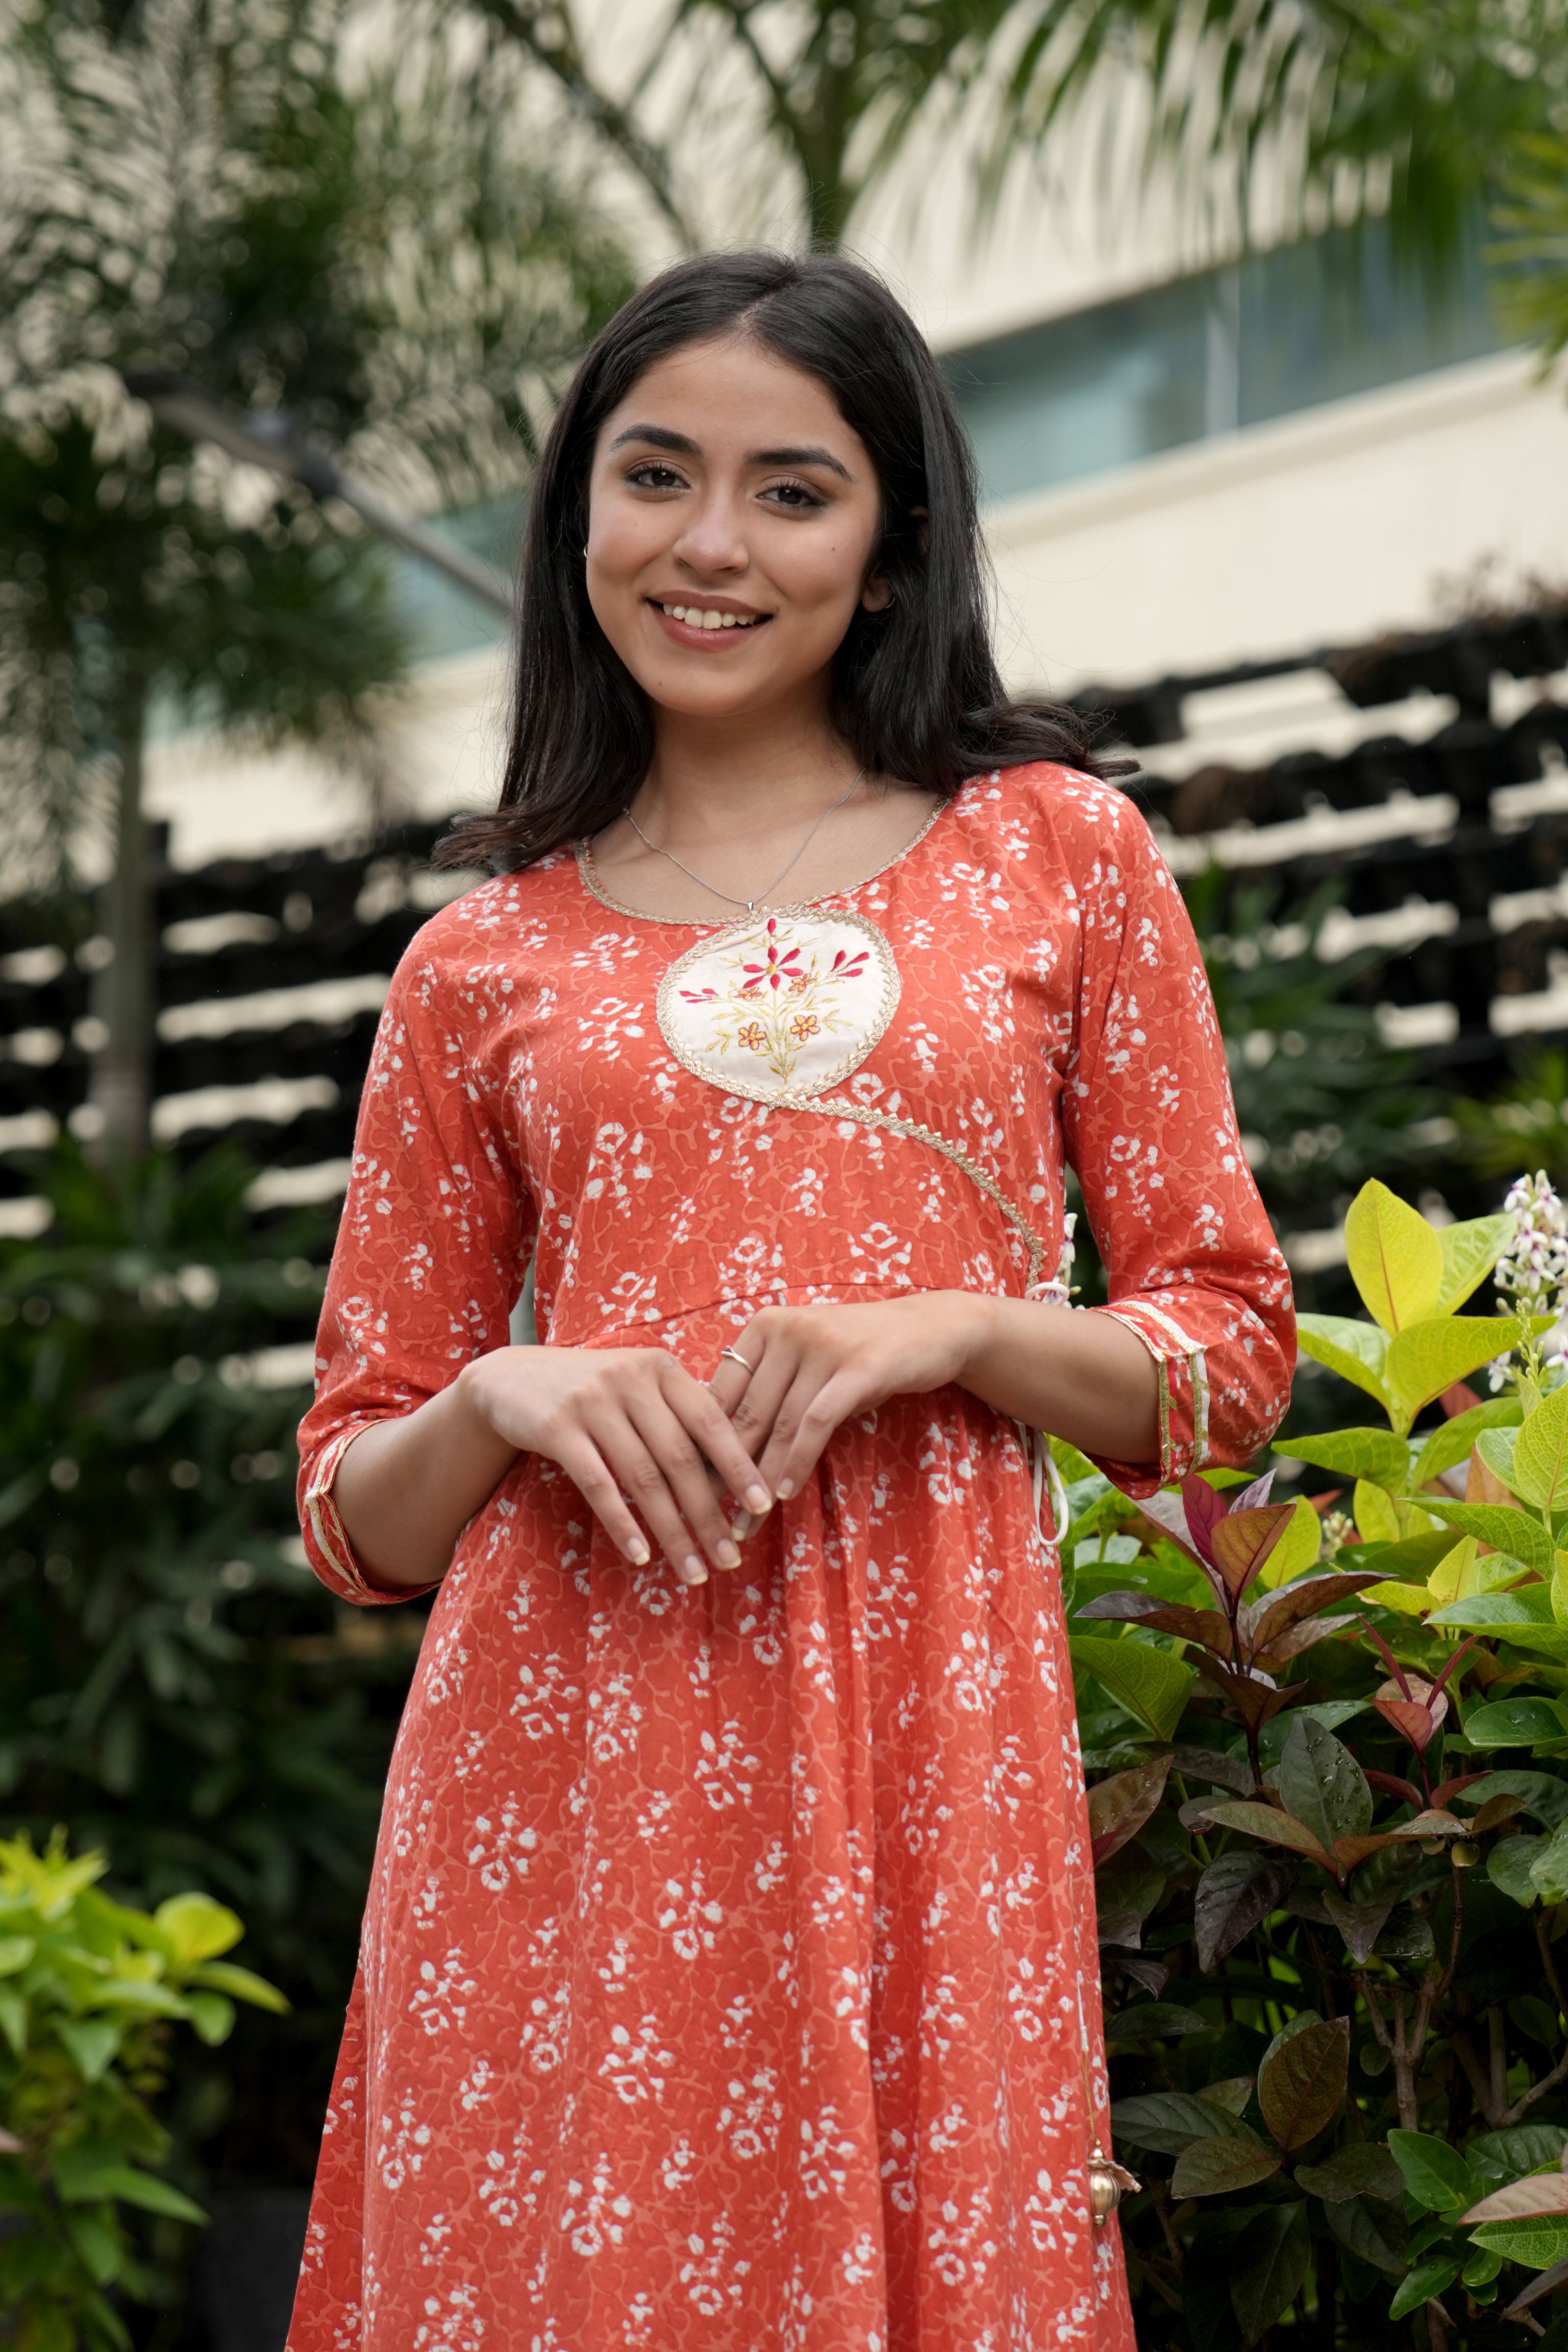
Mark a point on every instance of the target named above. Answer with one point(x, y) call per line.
point(1306, 1599)
point(1232, 1895)
point(1540, 2192)
point(1212, 2166)
point(1459, 1398)
point(1243, 1541)
point(1302, 2080)
point(1444, 1671)
point(1547, 2283)
point(1253, 1696)
point(1207, 1627)
point(1204, 1508)
point(1407, 1717)
point(1278, 1828)
point(1118, 1808)
point(1164, 1516)
point(1353, 1851)
point(1447, 1791)
point(1297, 1638)
point(1494, 1812)
point(1393, 1786)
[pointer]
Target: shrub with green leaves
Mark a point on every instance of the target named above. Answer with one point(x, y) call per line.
point(1327, 1753)
point(91, 1993)
point(175, 1684)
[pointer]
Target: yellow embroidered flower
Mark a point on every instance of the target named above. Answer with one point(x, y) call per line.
point(752, 1038)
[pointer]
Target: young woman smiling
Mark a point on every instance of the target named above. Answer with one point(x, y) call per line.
point(729, 1974)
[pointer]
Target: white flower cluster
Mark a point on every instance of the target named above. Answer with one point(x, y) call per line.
point(1533, 1269)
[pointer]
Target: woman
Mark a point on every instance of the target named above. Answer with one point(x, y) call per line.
point(729, 1974)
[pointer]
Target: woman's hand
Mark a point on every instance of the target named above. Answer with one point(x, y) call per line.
point(627, 1425)
point(813, 1367)
point(631, 1428)
point(1086, 1377)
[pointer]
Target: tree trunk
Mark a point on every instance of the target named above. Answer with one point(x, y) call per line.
point(121, 1085)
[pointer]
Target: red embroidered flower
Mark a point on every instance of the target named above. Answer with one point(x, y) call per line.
point(777, 970)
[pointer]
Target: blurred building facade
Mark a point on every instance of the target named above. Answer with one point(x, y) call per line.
point(1188, 472)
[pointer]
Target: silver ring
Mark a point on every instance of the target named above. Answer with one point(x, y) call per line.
point(734, 1353)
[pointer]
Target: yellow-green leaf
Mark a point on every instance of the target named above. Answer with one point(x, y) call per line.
point(1150, 1684)
point(1449, 1444)
point(1409, 1600)
point(1376, 1519)
point(1505, 1529)
point(1541, 1453)
point(1296, 1548)
point(1560, 1587)
point(1447, 1580)
point(1375, 1454)
point(1355, 1351)
point(1470, 1250)
point(1395, 1258)
point(240, 1984)
point(1495, 1449)
point(197, 1928)
point(1424, 1359)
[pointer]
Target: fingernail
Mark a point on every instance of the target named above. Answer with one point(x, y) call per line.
point(741, 1527)
point(693, 1570)
point(784, 1489)
point(637, 1552)
point(728, 1556)
point(757, 1499)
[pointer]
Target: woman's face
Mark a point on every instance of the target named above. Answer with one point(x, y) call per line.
point(732, 518)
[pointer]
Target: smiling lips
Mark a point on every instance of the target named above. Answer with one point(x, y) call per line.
point(694, 623)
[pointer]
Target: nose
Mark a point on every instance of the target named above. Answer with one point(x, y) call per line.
point(713, 540)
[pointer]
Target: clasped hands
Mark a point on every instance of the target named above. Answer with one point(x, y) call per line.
point(650, 1447)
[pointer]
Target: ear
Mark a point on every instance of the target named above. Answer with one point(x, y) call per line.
point(878, 593)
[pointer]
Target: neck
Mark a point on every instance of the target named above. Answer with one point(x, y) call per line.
point(708, 777)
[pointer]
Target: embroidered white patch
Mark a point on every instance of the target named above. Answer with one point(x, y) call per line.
point(787, 1003)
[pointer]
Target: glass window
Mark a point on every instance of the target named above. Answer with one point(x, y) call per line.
point(1276, 333)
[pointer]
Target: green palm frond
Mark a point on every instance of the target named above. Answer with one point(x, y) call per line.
point(1532, 248)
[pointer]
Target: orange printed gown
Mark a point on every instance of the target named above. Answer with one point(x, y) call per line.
point(728, 1973)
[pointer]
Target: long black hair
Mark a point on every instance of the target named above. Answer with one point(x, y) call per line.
point(916, 692)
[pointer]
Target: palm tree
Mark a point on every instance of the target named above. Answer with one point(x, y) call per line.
point(1260, 107)
point(214, 192)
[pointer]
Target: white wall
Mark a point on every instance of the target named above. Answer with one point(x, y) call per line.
point(1324, 528)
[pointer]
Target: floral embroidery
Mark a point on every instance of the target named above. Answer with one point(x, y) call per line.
point(786, 972)
point(784, 1003)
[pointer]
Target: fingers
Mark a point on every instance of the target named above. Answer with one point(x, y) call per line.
point(673, 1491)
point(787, 1408)
point(600, 1489)
point(702, 1415)
point(808, 1413)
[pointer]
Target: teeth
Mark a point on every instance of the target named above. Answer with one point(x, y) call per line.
point(699, 616)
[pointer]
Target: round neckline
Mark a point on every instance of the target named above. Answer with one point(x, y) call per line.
point(588, 876)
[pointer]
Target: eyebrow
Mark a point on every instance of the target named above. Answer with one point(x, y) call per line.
point(680, 445)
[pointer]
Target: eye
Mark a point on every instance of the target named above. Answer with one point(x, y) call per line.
point(652, 474)
point(795, 498)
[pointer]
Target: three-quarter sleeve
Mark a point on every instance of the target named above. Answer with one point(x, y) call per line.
point(430, 1255)
point(1150, 1128)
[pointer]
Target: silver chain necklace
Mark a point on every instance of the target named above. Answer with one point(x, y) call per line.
point(751, 905)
